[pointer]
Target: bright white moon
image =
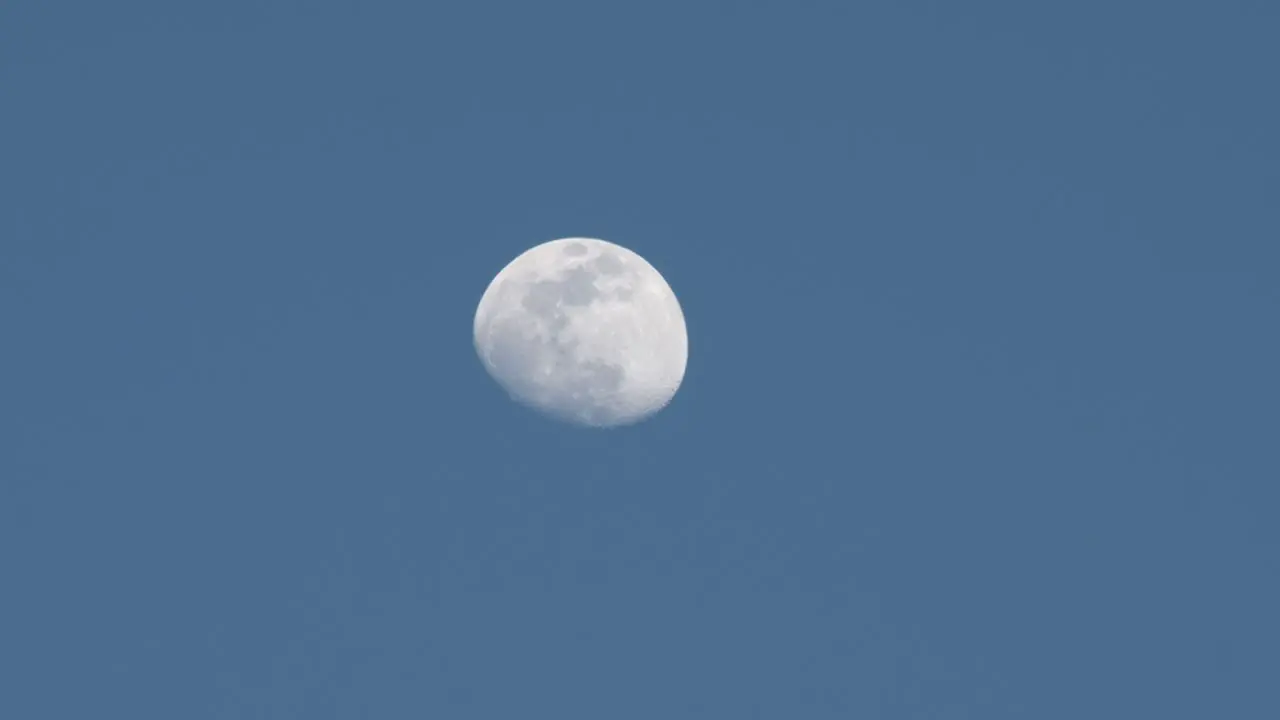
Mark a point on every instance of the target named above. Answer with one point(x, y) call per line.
point(584, 330)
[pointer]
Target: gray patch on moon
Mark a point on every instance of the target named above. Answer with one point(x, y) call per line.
point(603, 376)
point(596, 381)
point(610, 264)
point(548, 301)
point(580, 287)
point(542, 300)
point(577, 289)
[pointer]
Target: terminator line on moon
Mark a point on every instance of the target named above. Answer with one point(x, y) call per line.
point(584, 331)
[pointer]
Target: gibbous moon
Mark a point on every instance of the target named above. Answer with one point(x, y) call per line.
point(585, 331)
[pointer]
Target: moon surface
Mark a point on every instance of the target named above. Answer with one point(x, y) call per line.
point(585, 331)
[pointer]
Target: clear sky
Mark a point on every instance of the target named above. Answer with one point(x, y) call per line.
point(980, 418)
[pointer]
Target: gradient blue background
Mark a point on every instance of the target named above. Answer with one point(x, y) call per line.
point(980, 419)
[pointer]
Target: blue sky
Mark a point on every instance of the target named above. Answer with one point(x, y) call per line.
point(979, 420)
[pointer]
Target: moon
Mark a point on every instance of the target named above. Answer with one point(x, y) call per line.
point(584, 331)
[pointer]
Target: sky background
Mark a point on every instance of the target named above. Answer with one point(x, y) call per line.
point(980, 418)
